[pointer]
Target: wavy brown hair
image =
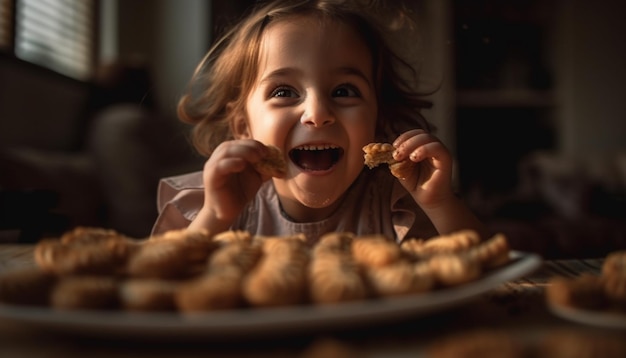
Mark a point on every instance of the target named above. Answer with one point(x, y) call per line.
point(222, 81)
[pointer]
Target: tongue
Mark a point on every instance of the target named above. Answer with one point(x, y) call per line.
point(315, 159)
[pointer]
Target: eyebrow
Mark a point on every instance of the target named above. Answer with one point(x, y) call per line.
point(354, 72)
point(282, 72)
point(278, 73)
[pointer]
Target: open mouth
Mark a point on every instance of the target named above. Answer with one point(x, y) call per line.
point(316, 157)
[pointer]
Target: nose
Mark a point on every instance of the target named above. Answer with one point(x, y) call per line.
point(317, 113)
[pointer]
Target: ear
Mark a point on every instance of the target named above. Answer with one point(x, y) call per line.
point(239, 125)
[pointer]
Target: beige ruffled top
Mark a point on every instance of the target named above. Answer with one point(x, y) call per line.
point(375, 204)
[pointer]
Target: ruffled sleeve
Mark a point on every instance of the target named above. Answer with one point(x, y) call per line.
point(179, 198)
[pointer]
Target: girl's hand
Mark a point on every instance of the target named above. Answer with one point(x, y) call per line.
point(430, 180)
point(230, 182)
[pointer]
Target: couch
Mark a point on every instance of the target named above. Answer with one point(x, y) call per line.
point(111, 181)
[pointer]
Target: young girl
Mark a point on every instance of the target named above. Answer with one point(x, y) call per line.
point(317, 80)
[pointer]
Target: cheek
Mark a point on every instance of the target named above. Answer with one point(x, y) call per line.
point(368, 123)
point(257, 120)
point(269, 127)
point(361, 136)
point(365, 133)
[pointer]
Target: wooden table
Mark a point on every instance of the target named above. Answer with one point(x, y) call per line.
point(517, 308)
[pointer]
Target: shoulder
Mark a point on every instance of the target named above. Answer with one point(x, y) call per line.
point(179, 198)
point(184, 181)
point(176, 186)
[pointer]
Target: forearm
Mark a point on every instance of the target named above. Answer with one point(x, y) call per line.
point(454, 215)
point(207, 220)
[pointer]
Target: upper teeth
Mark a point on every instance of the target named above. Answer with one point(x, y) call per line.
point(317, 147)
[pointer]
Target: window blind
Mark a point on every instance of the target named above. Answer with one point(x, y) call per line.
point(6, 23)
point(57, 34)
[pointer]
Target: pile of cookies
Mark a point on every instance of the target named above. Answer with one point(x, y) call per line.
point(604, 292)
point(190, 271)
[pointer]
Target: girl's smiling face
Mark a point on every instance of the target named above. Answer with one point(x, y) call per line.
point(314, 98)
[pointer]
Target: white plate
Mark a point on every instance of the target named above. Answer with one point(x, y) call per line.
point(267, 321)
point(588, 317)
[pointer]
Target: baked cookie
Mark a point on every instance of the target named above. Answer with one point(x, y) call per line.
point(159, 259)
point(615, 291)
point(87, 235)
point(453, 269)
point(423, 277)
point(229, 236)
point(335, 277)
point(382, 153)
point(614, 264)
point(375, 251)
point(29, 286)
point(163, 259)
point(399, 278)
point(334, 242)
point(278, 279)
point(238, 254)
point(147, 294)
point(103, 256)
point(213, 290)
point(174, 254)
point(85, 293)
point(285, 248)
point(273, 164)
point(413, 247)
point(585, 291)
point(402, 169)
point(491, 253)
point(199, 242)
point(377, 154)
point(456, 242)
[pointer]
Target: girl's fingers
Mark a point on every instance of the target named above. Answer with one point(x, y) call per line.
point(434, 150)
point(217, 173)
point(228, 166)
point(231, 158)
point(406, 135)
point(249, 150)
point(410, 147)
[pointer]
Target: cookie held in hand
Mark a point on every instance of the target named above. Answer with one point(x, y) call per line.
point(378, 153)
point(382, 153)
point(273, 164)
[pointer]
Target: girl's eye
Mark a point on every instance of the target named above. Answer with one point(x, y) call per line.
point(283, 92)
point(346, 91)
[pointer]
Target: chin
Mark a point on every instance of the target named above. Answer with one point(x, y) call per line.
point(316, 200)
point(315, 192)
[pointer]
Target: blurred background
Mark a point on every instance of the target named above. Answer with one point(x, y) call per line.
point(529, 101)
